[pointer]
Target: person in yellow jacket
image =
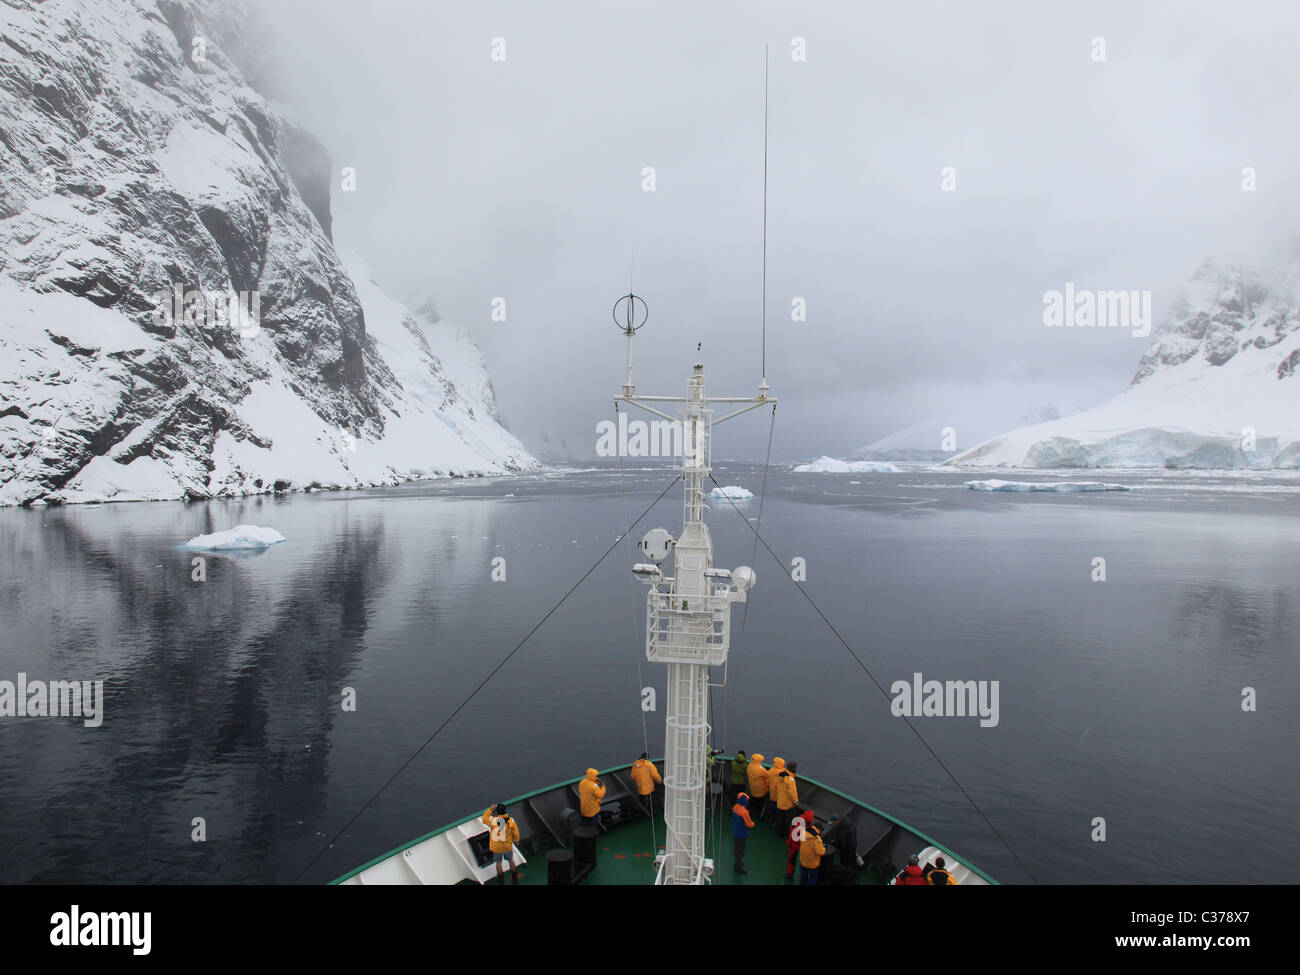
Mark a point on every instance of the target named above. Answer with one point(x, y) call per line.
point(646, 776)
point(786, 792)
point(937, 875)
point(757, 786)
point(503, 834)
point(811, 851)
point(590, 792)
point(782, 821)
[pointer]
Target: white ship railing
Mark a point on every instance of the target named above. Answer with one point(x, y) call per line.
point(700, 633)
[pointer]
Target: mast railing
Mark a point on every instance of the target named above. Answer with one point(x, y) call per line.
point(689, 629)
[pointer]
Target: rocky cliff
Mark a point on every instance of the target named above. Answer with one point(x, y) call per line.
point(174, 318)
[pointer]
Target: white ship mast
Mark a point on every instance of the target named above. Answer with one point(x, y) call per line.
point(688, 615)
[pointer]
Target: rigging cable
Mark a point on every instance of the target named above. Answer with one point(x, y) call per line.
point(636, 655)
point(484, 682)
point(880, 687)
point(744, 613)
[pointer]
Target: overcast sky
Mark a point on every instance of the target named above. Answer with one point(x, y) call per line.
point(522, 179)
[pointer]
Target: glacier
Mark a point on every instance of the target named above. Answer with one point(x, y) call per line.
point(136, 169)
point(983, 414)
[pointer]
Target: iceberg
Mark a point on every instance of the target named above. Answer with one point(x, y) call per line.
point(731, 493)
point(829, 465)
point(1060, 487)
point(239, 537)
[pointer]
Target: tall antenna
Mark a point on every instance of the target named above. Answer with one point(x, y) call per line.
point(763, 384)
point(688, 614)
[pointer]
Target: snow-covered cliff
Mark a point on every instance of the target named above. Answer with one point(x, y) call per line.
point(1218, 387)
point(174, 318)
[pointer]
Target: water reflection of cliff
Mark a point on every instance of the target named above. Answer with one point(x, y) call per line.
point(221, 697)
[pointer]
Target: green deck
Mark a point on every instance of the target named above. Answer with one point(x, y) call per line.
point(625, 851)
point(625, 855)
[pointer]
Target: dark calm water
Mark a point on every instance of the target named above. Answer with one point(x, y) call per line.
point(1119, 699)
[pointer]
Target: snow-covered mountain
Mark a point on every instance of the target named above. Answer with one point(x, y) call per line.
point(924, 440)
point(1216, 388)
point(174, 318)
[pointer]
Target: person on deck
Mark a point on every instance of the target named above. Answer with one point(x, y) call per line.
point(843, 836)
point(741, 824)
point(590, 792)
point(738, 774)
point(710, 759)
point(503, 834)
point(758, 785)
point(794, 840)
point(938, 875)
point(782, 821)
point(646, 776)
point(786, 794)
point(911, 875)
point(811, 851)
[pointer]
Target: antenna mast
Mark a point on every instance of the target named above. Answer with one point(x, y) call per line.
point(688, 614)
point(688, 624)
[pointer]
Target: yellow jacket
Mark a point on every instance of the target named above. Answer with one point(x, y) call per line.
point(778, 766)
point(645, 775)
point(503, 831)
point(590, 794)
point(757, 777)
point(785, 790)
point(812, 849)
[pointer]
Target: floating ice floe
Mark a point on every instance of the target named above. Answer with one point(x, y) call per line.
point(1062, 487)
point(829, 465)
point(732, 493)
point(239, 537)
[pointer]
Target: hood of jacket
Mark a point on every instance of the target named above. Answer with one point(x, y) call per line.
point(756, 758)
point(778, 764)
point(591, 775)
point(742, 799)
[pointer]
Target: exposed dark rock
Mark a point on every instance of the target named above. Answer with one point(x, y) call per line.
point(134, 168)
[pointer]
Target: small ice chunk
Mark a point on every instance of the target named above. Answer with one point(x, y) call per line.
point(241, 536)
point(732, 492)
point(1063, 487)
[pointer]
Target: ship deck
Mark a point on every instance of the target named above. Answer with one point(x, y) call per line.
point(627, 841)
point(625, 854)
